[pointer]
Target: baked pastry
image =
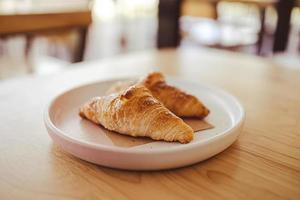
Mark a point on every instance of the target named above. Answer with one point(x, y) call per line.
point(136, 112)
point(176, 100)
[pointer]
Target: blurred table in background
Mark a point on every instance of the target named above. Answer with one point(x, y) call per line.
point(170, 12)
point(46, 18)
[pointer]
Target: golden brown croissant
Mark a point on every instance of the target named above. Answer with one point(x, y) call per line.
point(177, 101)
point(136, 112)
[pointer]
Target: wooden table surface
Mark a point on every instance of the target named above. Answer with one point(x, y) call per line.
point(263, 164)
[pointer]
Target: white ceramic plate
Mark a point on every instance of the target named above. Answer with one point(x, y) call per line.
point(84, 140)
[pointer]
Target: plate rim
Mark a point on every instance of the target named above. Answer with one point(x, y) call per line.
point(115, 149)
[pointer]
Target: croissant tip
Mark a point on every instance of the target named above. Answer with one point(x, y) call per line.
point(205, 112)
point(186, 138)
point(155, 73)
point(81, 114)
point(153, 78)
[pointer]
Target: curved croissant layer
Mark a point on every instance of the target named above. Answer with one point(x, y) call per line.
point(176, 100)
point(136, 112)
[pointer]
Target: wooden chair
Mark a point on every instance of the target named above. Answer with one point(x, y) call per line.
point(32, 25)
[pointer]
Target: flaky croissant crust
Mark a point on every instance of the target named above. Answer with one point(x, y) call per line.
point(136, 112)
point(176, 100)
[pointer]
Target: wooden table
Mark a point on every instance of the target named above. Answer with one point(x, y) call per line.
point(263, 164)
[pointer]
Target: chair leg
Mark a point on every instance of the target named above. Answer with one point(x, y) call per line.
point(215, 10)
point(81, 45)
point(168, 23)
point(28, 44)
point(284, 9)
point(261, 31)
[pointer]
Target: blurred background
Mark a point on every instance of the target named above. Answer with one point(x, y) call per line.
point(43, 37)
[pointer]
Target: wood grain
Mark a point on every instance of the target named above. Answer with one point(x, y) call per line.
point(36, 22)
point(263, 164)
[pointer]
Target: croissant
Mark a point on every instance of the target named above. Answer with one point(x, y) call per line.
point(136, 112)
point(176, 100)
